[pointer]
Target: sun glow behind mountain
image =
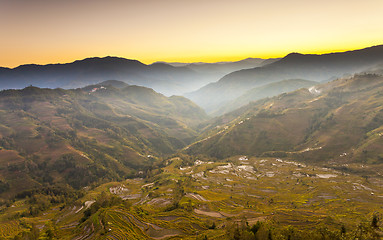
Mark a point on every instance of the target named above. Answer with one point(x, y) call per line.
point(61, 31)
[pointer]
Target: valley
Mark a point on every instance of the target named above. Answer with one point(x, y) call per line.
point(292, 157)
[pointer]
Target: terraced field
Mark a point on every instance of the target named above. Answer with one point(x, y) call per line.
point(208, 199)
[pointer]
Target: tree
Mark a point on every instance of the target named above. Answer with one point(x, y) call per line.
point(375, 221)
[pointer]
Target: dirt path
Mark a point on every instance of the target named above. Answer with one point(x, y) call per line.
point(196, 196)
point(210, 214)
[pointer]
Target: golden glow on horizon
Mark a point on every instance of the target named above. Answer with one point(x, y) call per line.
point(43, 31)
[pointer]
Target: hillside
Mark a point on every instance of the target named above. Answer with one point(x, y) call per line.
point(337, 121)
point(264, 91)
point(84, 136)
point(100, 163)
point(294, 66)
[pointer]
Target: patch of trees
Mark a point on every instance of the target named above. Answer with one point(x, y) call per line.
point(65, 162)
point(4, 186)
point(336, 99)
point(39, 200)
point(277, 154)
point(178, 193)
point(77, 175)
point(242, 231)
point(55, 193)
point(7, 142)
point(104, 200)
point(94, 122)
point(376, 121)
point(264, 113)
point(32, 234)
point(271, 230)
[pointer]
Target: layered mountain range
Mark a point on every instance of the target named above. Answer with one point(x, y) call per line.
point(162, 77)
point(319, 68)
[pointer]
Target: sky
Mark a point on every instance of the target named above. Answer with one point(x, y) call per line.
point(60, 31)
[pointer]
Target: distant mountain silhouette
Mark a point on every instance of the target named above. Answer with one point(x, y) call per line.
point(219, 69)
point(294, 66)
point(162, 77)
point(228, 67)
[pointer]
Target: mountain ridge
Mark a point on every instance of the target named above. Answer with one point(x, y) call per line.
point(88, 71)
point(163, 77)
point(97, 133)
point(264, 91)
point(342, 116)
point(311, 67)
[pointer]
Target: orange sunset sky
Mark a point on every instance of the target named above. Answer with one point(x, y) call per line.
point(52, 31)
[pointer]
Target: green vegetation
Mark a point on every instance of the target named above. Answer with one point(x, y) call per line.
point(340, 120)
point(88, 136)
point(128, 163)
point(255, 198)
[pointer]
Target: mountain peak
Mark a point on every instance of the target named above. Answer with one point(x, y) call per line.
point(108, 60)
point(114, 83)
point(159, 65)
point(294, 56)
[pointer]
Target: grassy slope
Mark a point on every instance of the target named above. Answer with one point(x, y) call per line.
point(78, 137)
point(344, 118)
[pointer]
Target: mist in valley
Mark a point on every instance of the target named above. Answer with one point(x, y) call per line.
point(193, 120)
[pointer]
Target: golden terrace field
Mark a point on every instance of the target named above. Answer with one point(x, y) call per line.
point(216, 200)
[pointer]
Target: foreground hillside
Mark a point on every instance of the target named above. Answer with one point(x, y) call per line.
point(240, 198)
point(51, 138)
point(338, 121)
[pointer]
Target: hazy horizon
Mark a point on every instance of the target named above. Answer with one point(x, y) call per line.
point(190, 62)
point(43, 32)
